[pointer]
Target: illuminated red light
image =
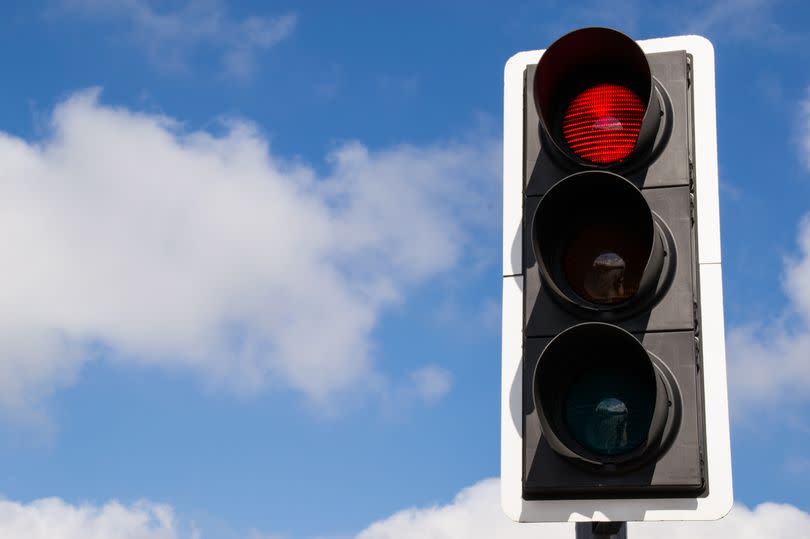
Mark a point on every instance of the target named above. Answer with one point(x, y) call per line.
point(601, 125)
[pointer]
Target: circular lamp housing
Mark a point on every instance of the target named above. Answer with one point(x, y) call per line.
point(604, 401)
point(597, 100)
point(600, 249)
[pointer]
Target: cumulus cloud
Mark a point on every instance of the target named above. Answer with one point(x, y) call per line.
point(432, 382)
point(127, 236)
point(52, 518)
point(770, 362)
point(171, 36)
point(739, 19)
point(475, 513)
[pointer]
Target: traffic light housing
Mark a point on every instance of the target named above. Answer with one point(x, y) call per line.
point(614, 390)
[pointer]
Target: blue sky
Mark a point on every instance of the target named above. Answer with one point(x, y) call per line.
point(251, 279)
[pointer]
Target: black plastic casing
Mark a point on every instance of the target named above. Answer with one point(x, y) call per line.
point(669, 329)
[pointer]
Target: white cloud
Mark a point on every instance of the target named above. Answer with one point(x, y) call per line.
point(52, 518)
point(767, 365)
point(753, 22)
point(740, 18)
point(170, 37)
point(125, 233)
point(432, 382)
point(770, 362)
point(475, 513)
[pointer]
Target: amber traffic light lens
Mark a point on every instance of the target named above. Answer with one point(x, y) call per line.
point(596, 241)
point(604, 261)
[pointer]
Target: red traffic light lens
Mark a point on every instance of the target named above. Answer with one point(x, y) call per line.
point(601, 124)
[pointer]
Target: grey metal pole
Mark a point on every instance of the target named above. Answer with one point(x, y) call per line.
point(601, 530)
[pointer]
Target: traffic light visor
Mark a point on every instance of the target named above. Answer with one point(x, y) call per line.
point(596, 242)
point(596, 99)
point(599, 395)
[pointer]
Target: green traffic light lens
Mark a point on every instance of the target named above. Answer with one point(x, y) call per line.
point(598, 394)
point(610, 411)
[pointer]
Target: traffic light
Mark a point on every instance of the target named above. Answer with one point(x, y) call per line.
point(614, 402)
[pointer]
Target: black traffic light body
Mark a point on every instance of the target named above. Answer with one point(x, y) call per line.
point(611, 378)
point(670, 325)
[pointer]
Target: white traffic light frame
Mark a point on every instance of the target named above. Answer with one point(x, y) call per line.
point(718, 500)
